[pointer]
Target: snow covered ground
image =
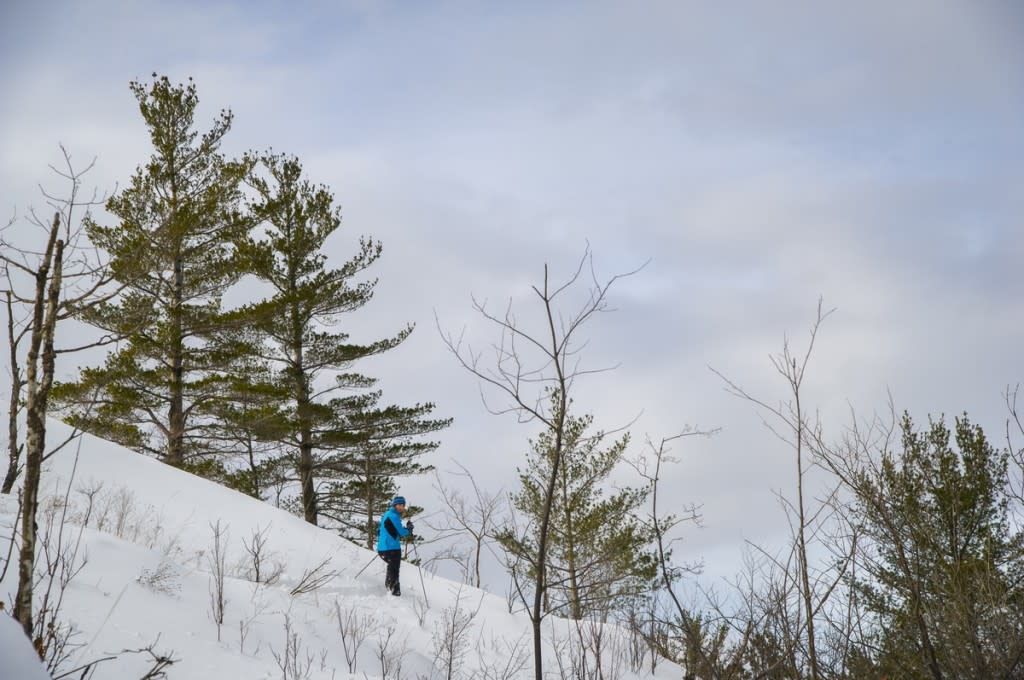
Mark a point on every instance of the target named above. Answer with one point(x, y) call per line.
point(148, 550)
point(17, 658)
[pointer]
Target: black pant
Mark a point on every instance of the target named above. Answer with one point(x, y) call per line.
point(394, 561)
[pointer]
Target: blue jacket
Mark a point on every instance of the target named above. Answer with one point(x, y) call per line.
point(390, 531)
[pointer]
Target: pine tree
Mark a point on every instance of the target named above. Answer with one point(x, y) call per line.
point(171, 250)
point(598, 552)
point(945, 561)
point(328, 434)
point(242, 425)
point(371, 463)
point(355, 505)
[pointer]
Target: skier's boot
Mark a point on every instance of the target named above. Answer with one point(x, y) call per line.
point(396, 589)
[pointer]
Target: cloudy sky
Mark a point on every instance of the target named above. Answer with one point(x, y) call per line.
point(760, 157)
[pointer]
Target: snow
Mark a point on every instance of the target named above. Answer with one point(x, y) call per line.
point(146, 582)
point(17, 658)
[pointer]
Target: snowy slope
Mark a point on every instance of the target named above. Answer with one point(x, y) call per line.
point(147, 578)
point(17, 658)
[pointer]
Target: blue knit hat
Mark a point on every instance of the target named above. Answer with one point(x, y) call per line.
point(398, 500)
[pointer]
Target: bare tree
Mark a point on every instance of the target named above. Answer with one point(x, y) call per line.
point(709, 660)
point(37, 396)
point(84, 279)
point(785, 616)
point(216, 560)
point(475, 517)
point(451, 637)
point(245, 625)
point(294, 664)
point(258, 567)
point(599, 650)
point(14, 446)
point(58, 562)
point(390, 653)
point(65, 276)
point(535, 371)
point(801, 430)
point(501, 658)
point(159, 662)
point(316, 577)
point(354, 627)
point(1015, 446)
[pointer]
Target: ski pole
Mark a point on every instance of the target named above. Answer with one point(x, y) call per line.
point(419, 568)
point(372, 560)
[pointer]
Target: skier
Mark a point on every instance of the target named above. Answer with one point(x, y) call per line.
point(389, 546)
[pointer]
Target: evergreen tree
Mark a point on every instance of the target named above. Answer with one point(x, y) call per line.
point(171, 250)
point(370, 469)
point(242, 425)
point(328, 434)
point(355, 505)
point(946, 563)
point(598, 552)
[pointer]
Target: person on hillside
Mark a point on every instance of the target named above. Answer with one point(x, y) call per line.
point(389, 545)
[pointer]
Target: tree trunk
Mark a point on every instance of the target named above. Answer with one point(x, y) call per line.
point(300, 384)
point(302, 412)
point(805, 579)
point(35, 443)
point(575, 608)
point(542, 544)
point(309, 509)
point(176, 412)
point(255, 484)
point(13, 448)
point(44, 319)
point(931, 658)
point(369, 506)
point(476, 561)
point(542, 555)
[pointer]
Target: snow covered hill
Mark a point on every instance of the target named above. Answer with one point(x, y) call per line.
point(149, 559)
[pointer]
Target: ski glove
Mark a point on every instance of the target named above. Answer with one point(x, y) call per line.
point(408, 525)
